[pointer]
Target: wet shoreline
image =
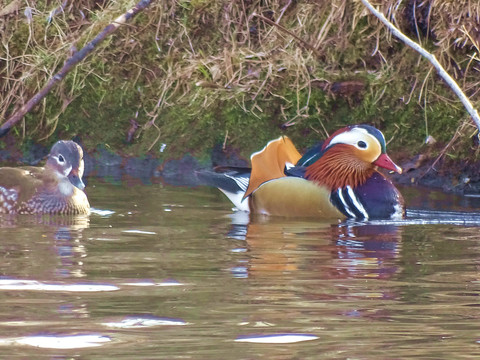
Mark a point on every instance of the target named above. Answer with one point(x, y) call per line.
point(462, 179)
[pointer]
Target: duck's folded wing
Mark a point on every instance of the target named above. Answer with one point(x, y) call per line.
point(296, 171)
point(22, 183)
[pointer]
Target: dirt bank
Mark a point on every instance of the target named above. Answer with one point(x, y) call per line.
point(451, 176)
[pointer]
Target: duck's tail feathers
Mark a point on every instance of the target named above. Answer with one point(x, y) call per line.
point(232, 181)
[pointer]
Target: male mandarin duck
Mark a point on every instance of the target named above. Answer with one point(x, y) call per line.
point(56, 188)
point(337, 179)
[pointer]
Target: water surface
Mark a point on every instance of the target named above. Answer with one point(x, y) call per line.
point(161, 272)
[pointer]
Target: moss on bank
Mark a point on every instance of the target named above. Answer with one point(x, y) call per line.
point(194, 74)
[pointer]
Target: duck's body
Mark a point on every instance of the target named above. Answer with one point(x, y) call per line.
point(292, 197)
point(56, 188)
point(336, 180)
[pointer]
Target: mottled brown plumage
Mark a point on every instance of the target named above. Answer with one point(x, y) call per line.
point(53, 189)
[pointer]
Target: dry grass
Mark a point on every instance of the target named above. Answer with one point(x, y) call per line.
point(35, 42)
point(250, 53)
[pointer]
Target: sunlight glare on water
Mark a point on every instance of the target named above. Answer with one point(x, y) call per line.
point(276, 338)
point(160, 272)
point(59, 341)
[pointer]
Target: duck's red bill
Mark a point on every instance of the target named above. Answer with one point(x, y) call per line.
point(385, 162)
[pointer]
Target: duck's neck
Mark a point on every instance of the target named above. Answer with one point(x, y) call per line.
point(337, 168)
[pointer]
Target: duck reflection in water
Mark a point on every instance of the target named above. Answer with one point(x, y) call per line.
point(330, 251)
point(51, 248)
point(45, 253)
point(367, 250)
point(300, 268)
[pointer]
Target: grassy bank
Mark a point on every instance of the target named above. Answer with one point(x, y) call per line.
point(193, 74)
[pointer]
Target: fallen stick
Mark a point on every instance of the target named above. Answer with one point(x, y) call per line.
point(70, 63)
point(430, 57)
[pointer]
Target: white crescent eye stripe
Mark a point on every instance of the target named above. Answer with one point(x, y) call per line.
point(352, 137)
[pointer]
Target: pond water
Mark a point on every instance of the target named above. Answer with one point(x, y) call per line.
point(162, 272)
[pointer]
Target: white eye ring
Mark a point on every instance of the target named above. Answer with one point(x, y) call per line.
point(61, 159)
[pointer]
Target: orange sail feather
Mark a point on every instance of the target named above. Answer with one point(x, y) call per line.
point(269, 163)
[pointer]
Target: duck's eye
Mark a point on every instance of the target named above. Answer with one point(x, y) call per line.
point(362, 144)
point(61, 159)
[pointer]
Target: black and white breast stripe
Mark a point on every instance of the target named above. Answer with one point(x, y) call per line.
point(348, 203)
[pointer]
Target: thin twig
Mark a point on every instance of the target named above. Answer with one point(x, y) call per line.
point(224, 146)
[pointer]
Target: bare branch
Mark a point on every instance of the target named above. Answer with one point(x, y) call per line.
point(430, 57)
point(70, 63)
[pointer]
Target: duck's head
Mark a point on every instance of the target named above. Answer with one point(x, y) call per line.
point(66, 160)
point(366, 143)
point(349, 156)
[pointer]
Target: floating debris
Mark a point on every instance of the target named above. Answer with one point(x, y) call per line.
point(101, 212)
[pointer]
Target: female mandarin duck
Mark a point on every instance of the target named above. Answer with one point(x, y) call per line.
point(56, 188)
point(338, 179)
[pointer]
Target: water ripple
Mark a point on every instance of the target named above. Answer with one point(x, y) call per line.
point(147, 282)
point(132, 322)
point(142, 232)
point(276, 338)
point(16, 284)
point(58, 341)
